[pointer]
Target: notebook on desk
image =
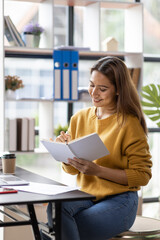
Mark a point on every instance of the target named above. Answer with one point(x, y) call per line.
point(11, 180)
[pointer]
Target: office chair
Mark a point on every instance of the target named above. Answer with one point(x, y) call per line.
point(143, 228)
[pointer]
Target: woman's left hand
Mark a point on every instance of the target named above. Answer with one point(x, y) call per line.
point(91, 168)
point(84, 166)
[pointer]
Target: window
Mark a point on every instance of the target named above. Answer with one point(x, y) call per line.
point(151, 74)
point(109, 20)
point(151, 26)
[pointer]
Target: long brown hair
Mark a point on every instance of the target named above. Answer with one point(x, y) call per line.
point(128, 101)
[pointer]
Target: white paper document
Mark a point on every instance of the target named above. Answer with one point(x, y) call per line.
point(47, 189)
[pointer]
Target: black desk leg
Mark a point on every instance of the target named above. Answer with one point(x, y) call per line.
point(58, 220)
point(34, 222)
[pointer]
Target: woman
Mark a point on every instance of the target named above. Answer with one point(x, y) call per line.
point(114, 179)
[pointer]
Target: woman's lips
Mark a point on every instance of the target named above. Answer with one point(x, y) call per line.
point(97, 100)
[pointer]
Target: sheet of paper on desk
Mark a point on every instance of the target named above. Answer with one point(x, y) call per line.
point(47, 189)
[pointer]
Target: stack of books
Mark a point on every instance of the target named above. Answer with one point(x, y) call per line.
point(13, 36)
point(21, 134)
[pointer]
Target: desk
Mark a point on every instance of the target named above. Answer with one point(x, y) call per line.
point(29, 199)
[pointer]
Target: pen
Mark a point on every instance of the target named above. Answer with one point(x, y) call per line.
point(66, 141)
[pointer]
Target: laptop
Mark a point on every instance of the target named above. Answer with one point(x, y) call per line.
point(11, 180)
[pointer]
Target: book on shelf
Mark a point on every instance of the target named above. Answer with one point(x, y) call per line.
point(31, 134)
point(9, 35)
point(22, 134)
point(89, 147)
point(135, 75)
point(13, 134)
point(12, 33)
point(16, 32)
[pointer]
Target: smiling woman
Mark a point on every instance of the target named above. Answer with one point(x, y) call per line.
point(113, 179)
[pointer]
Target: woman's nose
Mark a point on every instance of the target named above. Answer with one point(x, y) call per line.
point(95, 91)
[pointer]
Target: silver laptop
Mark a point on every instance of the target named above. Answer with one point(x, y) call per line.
point(9, 180)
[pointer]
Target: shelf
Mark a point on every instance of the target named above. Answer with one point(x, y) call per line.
point(34, 1)
point(20, 52)
point(31, 100)
point(36, 150)
point(103, 4)
point(83, 97)
point(93, 55)
point(118, 5)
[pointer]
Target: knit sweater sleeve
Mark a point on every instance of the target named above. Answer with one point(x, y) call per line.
point(137, 152)
point(69, 169)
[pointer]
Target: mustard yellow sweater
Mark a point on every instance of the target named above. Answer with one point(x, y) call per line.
point(128, 149)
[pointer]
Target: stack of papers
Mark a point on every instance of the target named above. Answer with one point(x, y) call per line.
point(47, 189)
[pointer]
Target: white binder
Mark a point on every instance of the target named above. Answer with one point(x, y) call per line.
point(57, 56)
point(66, 58)
point(74, 75)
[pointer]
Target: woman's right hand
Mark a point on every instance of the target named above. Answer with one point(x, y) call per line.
point(63, 137)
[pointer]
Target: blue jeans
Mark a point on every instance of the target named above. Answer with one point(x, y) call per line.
point(88, 220)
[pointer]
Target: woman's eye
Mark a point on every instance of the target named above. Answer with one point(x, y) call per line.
point(91, 85)
point(103, 89)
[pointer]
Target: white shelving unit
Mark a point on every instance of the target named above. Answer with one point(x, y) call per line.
point(1, 79)
point(1, 94)
point(133, 46)
point(45, 107)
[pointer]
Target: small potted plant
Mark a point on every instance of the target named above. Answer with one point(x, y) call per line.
point(12, 83)
point(31, 33)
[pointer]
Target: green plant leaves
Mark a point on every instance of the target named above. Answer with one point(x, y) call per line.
point(151, 102)
point(60, 128)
